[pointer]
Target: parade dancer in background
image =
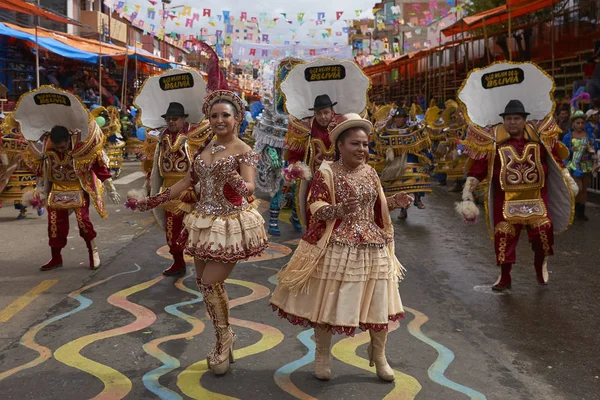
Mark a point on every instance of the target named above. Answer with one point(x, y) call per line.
point(71, 164)
point(224, 226)
point(269, 131)
point(172, 140)
point(582, 147)
point(15, 178)
point(522, 159)
point(307, 141)
point(408, 159)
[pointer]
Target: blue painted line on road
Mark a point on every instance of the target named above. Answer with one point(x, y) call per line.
point(170, 363)
point(445, 357)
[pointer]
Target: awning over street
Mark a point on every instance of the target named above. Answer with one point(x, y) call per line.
point(78, 48)
point(497, 15)
point(31, 9)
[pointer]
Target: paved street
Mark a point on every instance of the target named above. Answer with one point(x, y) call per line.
point(125, 331)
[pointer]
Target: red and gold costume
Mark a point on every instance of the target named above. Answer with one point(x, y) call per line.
point(70, 182)
point(15, 178)
point(521, 172)
point(308, 142)
point(173, 155)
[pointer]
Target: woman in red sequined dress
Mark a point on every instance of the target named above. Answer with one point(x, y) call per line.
point(224, 226)
point(344, 274)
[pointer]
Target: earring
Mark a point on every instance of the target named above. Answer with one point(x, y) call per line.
point(341, 160)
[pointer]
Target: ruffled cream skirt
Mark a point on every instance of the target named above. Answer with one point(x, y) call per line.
point(350, 288)
point(227, 239)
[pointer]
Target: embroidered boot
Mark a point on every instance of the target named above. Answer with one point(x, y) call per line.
point(217, 306)
point(274, 222)
point(377, 358)
point(55, 262)
point(178, 266)
point(323, 354)
point(540, 262)
point(504, 281)
point(93, 254)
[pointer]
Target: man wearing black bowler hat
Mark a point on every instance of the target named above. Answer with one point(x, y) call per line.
point(522, 170)
point(173, 155)
point(308, 141)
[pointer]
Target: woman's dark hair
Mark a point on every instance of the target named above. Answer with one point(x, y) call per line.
point(225, 101)
point(59, 134)
point(342, 138)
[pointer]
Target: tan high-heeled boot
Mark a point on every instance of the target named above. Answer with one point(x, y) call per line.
point(377, 358)
point(323, 354)
point(217, 306)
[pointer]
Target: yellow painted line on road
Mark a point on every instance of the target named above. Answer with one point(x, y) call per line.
point(26, 299)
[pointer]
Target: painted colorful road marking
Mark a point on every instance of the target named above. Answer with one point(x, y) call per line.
point(26, 299)
point(116, 385)
point(170, 363)
point(445, 357)
point(283, 376)
point(405, 386)
point(28, 340)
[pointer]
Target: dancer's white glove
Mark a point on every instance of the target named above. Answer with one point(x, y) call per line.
point(113, 195)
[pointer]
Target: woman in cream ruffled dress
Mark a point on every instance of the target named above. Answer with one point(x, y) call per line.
point(224, 227)
point(344, 274)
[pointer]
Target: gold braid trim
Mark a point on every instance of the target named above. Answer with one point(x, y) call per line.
point(90, 150)
point(505, 228)
point(479, 141)
point(198, 137)
point(298, 134)
point(33, 159)
point(542, 222)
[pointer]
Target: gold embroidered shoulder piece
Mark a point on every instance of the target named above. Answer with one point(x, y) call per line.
point(548, 129)
point(85, 153)
point(479, 142)
point(199, 136)
point(298, 134)
point(33, 159)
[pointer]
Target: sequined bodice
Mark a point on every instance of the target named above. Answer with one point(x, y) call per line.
point(216, 196)
point(358, 228)
point(60, 169)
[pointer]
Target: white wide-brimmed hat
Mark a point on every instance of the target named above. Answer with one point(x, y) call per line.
point(350, 120)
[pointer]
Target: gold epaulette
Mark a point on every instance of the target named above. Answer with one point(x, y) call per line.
point(33, 159)
point(88, 151)
point(298, 134)
point(549, 130)
point(479, 141)
point(199, 136)
point(149, 148)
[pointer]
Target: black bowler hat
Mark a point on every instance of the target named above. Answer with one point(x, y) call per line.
point(400, 113)
point(514, 107)
point(175, 109)
point(322, 101)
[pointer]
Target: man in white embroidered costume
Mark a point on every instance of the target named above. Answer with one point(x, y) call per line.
point(522, 160)
point(71, 164)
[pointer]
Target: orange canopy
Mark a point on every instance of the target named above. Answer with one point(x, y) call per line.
point(513, 9)
point(31, 9)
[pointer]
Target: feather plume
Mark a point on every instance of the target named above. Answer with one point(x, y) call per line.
point(468, 211)
point(34, 199)
point(216, 79)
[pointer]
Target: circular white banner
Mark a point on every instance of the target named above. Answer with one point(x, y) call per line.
point(40, 110)
point(342, 80)
point(487, 91)
point(185, 86)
